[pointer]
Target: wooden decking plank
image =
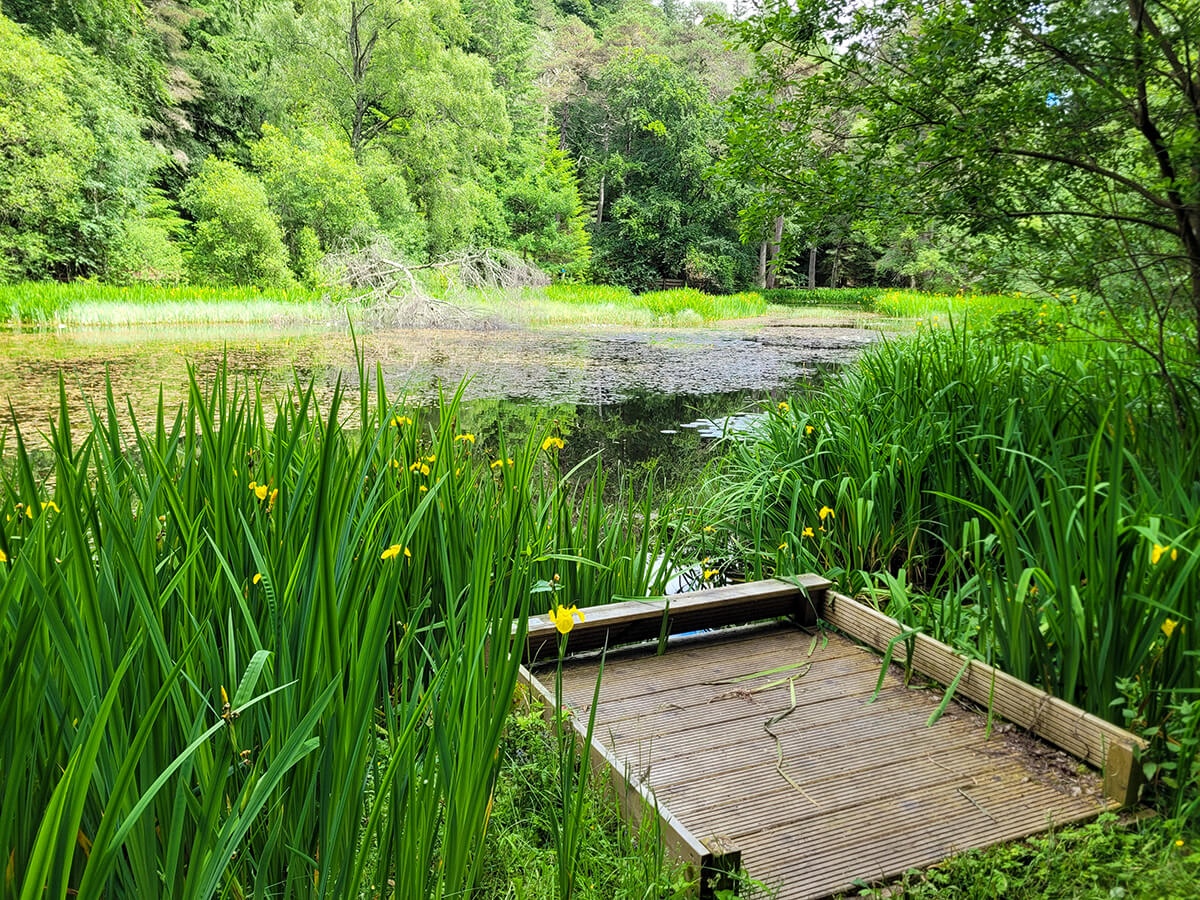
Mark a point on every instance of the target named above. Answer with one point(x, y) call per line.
point(625, 700)
point(708, 686)
point(864, 769)
point(766, 800)
point(1100, 743)
point(866, 845)
point(636, 620)
point(953, 816)
point(739, 656)
point(733, 731)
point(699, 706)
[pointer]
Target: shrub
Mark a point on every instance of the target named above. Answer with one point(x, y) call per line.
point(237, 237)
point(313, 183)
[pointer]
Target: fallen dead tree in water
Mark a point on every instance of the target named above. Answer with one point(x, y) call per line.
point(394, 291)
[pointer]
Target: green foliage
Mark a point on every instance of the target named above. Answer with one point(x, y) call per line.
point(1064, 134)
point(399, 218)
point(315, 188)
point(256, 644)
point(237, 237)
point(645, 132)
point(544, 212)
point(612, 862)
point(45, 151)
point(1097, 861)
point(74, 186)
point(35, 303)
point(434, 124)
point(679, 304)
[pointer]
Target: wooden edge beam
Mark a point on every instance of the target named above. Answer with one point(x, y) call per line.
point(629, 621)
point(714, 861)
point(1106, 746)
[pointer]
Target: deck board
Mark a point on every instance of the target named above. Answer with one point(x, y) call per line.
point(881, 792)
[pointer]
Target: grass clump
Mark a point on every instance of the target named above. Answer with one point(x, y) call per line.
point(265, 648)
point(679, 306)
point(964, 306)
point(613, 862)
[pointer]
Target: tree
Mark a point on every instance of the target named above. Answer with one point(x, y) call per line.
point(394, 74)
point(44, 152)
point(1071, 128)
point(314, 183)
point(75, 172)
point(544, 212)
point(646, 135)
point(237, 237)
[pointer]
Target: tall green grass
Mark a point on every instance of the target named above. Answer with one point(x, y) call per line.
point(664, 305)
point(962, 306)
point(1014, 500)
point(263, 649)
point(97, 303)
point(857, 297)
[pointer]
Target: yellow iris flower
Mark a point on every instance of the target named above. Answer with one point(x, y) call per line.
point(563, 617)
point(826, 511)
point(1159, 549)
point(555, 442)
point(467, 437)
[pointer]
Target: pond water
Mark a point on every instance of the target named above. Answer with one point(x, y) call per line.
point(625, 393)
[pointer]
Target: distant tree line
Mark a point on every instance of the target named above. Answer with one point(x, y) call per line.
point(239, 141)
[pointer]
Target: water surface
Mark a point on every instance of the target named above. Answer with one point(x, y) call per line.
point(615, 390)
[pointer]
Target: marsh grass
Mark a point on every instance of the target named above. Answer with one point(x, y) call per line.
point(260, 648)
point(571, 304)
point(96, 303)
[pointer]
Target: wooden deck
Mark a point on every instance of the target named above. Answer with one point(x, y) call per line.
point(763, 744)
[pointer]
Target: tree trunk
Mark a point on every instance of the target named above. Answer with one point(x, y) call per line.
point(600, 202)
point(837, 264)
point(762, 264)
point(812, 268)
point(773, 253)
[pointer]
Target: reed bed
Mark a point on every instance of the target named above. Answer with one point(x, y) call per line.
point(261, 649)
point(97, 303)
point(675, 304)
point(1032, 505)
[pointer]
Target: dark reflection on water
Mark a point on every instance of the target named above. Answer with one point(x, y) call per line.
point(640, 433)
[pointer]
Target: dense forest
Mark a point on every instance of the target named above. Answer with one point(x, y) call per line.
point(995, 146)
point(238, 141)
